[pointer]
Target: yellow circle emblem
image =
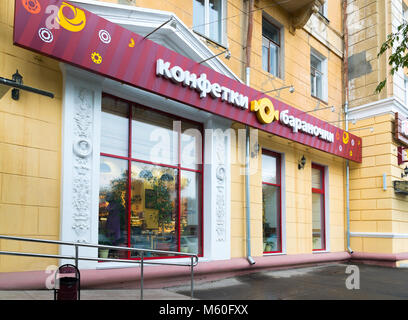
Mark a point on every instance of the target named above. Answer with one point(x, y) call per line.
point(265, 111)
point(96, 57)
point(345, 137)
point(77, 23)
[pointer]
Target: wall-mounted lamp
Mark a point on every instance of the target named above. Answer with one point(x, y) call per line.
point(227, 55)
point(302, 162)
point(17, 84)
point(405, 172)
point(17, 78)
point(291, 89)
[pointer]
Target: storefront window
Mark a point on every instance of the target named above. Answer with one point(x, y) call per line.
point(271, 202)
point(318, 223)
point(147, 183)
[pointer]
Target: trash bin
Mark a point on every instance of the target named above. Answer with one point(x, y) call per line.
point(69, 283)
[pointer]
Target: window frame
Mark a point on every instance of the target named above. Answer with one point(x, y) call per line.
point(278, 157)
point(278, 45)
point(323, 10)
point(129, 158)
point(222, 25)
point(323, 72)
point(321, 191)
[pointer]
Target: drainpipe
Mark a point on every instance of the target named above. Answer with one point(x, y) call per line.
point(251, 260)
point(346, 84)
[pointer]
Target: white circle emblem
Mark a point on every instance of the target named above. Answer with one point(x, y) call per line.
point(104, 36)
point(45, 35)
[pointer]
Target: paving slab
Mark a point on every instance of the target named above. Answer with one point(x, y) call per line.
point(148, 294)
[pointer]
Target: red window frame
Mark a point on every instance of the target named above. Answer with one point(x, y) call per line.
point(323, 213)
point(278, 185)
point(178, 167)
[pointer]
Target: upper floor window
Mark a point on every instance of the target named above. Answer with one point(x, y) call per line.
point(208, 19)
point(318, 76)
point(271, 48)
point(323, 10)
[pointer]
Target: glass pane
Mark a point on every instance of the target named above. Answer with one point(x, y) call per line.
point(316, 63)
point(269, 172)
point(270, 31)
point(114, 127)
point(215, 20)
point(265, 53)
point(317, 223)
point(191, 146)
point(313, 84)
point(154, 210)
point(271, 218)
point(113, 206)
point(153, 138)
point(198, 16)
point(319, 86)
point(317, 179)
point(190, 212)
point(274, 59)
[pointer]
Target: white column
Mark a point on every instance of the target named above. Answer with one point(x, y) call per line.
point(80, 161)
point(217, 186)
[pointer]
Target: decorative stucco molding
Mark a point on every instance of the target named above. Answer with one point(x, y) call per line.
point(81, 170)
point(220, 174)
point(300, 17)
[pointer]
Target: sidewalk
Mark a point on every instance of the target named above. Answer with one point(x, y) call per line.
point(148, 294)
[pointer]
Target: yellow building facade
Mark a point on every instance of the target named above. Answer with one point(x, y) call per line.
point(305, 51)
point(378, 211)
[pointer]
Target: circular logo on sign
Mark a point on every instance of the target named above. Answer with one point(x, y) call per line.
point(45, 35)
point(340, 148)
point(352, 142)
point(104, 36)
point(75, 24)
point(32, 6)
point(96, 57)
point(345, 137)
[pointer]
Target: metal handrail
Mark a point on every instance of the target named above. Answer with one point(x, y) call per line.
point(192, 264)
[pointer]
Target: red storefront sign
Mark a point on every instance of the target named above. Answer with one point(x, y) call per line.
point(76, 36)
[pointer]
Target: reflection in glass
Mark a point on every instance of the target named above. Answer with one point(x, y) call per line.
point(114, 127)
point(215, 20)
point(190, 209)
point(269, 173)
point(191, 146)
point(271, 218)
point(317, 211)
point(153, 138)
point(112, 206)
point(316, 178)
point(198, 16)
point(154, 208)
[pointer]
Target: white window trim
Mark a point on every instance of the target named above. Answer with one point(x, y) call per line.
point(324, 72)
point(206, 34)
